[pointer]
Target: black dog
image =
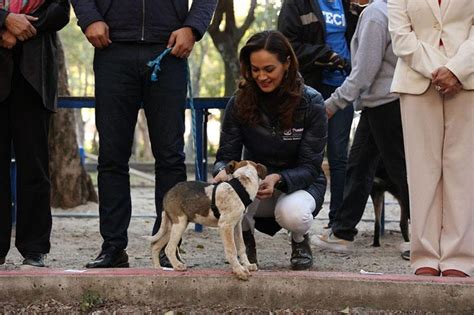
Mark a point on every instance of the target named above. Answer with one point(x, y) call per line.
point(382, 183)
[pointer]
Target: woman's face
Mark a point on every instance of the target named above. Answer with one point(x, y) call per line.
point(267, 70)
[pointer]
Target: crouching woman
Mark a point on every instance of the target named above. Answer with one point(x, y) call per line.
point(278, 121)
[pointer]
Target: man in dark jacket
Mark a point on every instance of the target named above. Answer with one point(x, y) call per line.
point(126, 35)
point(28, 89)
point(320, 32)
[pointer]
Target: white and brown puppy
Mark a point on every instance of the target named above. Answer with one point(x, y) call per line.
point(221, 205)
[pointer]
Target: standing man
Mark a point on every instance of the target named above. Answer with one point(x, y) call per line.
point(28, 95)
point(126, 35)
point(379, 135)
point(320, 32)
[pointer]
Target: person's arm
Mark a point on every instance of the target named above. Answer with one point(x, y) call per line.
point(199, 17)
point(289, 23)
point(230, 143)
point(311, 150)
point(3, 16)
point(366, 63)
point(461, 64)
point(52, 16)
point(86, 12)
point(417, 54)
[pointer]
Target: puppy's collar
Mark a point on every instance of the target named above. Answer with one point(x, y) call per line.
point(239, 189)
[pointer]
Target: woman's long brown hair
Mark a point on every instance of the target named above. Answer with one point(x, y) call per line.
point(290, 90)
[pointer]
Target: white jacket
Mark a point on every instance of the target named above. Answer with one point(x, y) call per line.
point(416, 27)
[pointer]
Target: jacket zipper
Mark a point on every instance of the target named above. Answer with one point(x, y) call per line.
point(273, 131)
point(143, 20)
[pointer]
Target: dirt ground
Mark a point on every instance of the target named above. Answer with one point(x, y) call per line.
point(75, 240)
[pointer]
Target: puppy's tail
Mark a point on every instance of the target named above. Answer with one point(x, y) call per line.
point(165, 225)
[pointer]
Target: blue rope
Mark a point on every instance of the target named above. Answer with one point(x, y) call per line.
point(155, 65)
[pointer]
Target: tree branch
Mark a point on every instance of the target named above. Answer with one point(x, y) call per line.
point(248, 20)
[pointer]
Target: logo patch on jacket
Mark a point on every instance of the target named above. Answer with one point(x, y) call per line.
point(292, 134)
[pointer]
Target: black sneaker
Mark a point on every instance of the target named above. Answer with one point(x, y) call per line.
point(301, 256)
point(250, 246)
point(2, 260)
point(110, 259)
point(164, 261)
point(34, 260)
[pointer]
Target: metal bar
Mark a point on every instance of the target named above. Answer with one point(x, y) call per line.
point(89, 102)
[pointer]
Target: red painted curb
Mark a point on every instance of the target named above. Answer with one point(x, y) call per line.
point(125, 272)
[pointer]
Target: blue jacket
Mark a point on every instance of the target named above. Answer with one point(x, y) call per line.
point(150, 21)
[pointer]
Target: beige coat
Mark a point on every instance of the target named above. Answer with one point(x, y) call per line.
point(420, 54)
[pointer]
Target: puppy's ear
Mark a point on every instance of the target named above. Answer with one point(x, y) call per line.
point(261, 171)
point(230, 167)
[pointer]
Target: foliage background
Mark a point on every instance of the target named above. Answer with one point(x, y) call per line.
point(207, 70)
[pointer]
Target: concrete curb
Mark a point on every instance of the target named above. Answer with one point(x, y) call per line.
point(265, 289)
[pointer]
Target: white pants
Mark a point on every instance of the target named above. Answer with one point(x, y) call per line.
point(439, 148)
point(292, 212)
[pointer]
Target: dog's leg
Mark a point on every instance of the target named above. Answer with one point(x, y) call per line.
point(241, 250)
point(177, 230)
point(378, 200)
point(160, 239)
point(404, 222)
point(227, 234)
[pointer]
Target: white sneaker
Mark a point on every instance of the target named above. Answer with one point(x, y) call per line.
point(329, 241)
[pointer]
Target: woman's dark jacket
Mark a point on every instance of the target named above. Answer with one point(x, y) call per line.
point(303, 23)
point(37, 56)
point(295, 154)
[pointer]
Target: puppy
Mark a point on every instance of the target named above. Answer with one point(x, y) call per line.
point(382, 183)
point(221, 205)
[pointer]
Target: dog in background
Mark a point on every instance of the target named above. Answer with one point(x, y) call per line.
point(221, 205)
point(382, 183)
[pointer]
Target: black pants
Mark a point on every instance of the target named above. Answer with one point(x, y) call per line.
point(378, 136)
point(25, 122)
point(123, 85)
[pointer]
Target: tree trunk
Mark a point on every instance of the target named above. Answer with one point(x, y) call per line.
point(70, 184)
point(227, 40)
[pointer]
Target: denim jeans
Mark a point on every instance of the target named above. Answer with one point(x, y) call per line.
point(123, 85)
point(339, 128)
point(379, 135)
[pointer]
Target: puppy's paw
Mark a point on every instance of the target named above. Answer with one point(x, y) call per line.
point(180, 267)
point(241, 272)
point(252, 267)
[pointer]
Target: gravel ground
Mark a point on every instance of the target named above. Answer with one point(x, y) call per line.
point(76, 240)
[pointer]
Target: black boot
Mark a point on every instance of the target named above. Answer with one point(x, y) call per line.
point(250, 247)
point(301, 256)
point(110, 258)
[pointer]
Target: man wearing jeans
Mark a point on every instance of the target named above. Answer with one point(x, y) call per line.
point(320, 32)
point(126, 35)
point(379, 133)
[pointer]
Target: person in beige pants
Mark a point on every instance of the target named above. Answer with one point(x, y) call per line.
point(434, 40)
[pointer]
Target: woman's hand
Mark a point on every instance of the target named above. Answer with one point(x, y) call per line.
point(7, 39)
point(220, 177)
point(446, 82)
point(267, 186)
point(20, 25)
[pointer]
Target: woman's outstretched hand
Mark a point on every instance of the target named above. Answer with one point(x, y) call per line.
point(267, 186)
point(220, 177)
